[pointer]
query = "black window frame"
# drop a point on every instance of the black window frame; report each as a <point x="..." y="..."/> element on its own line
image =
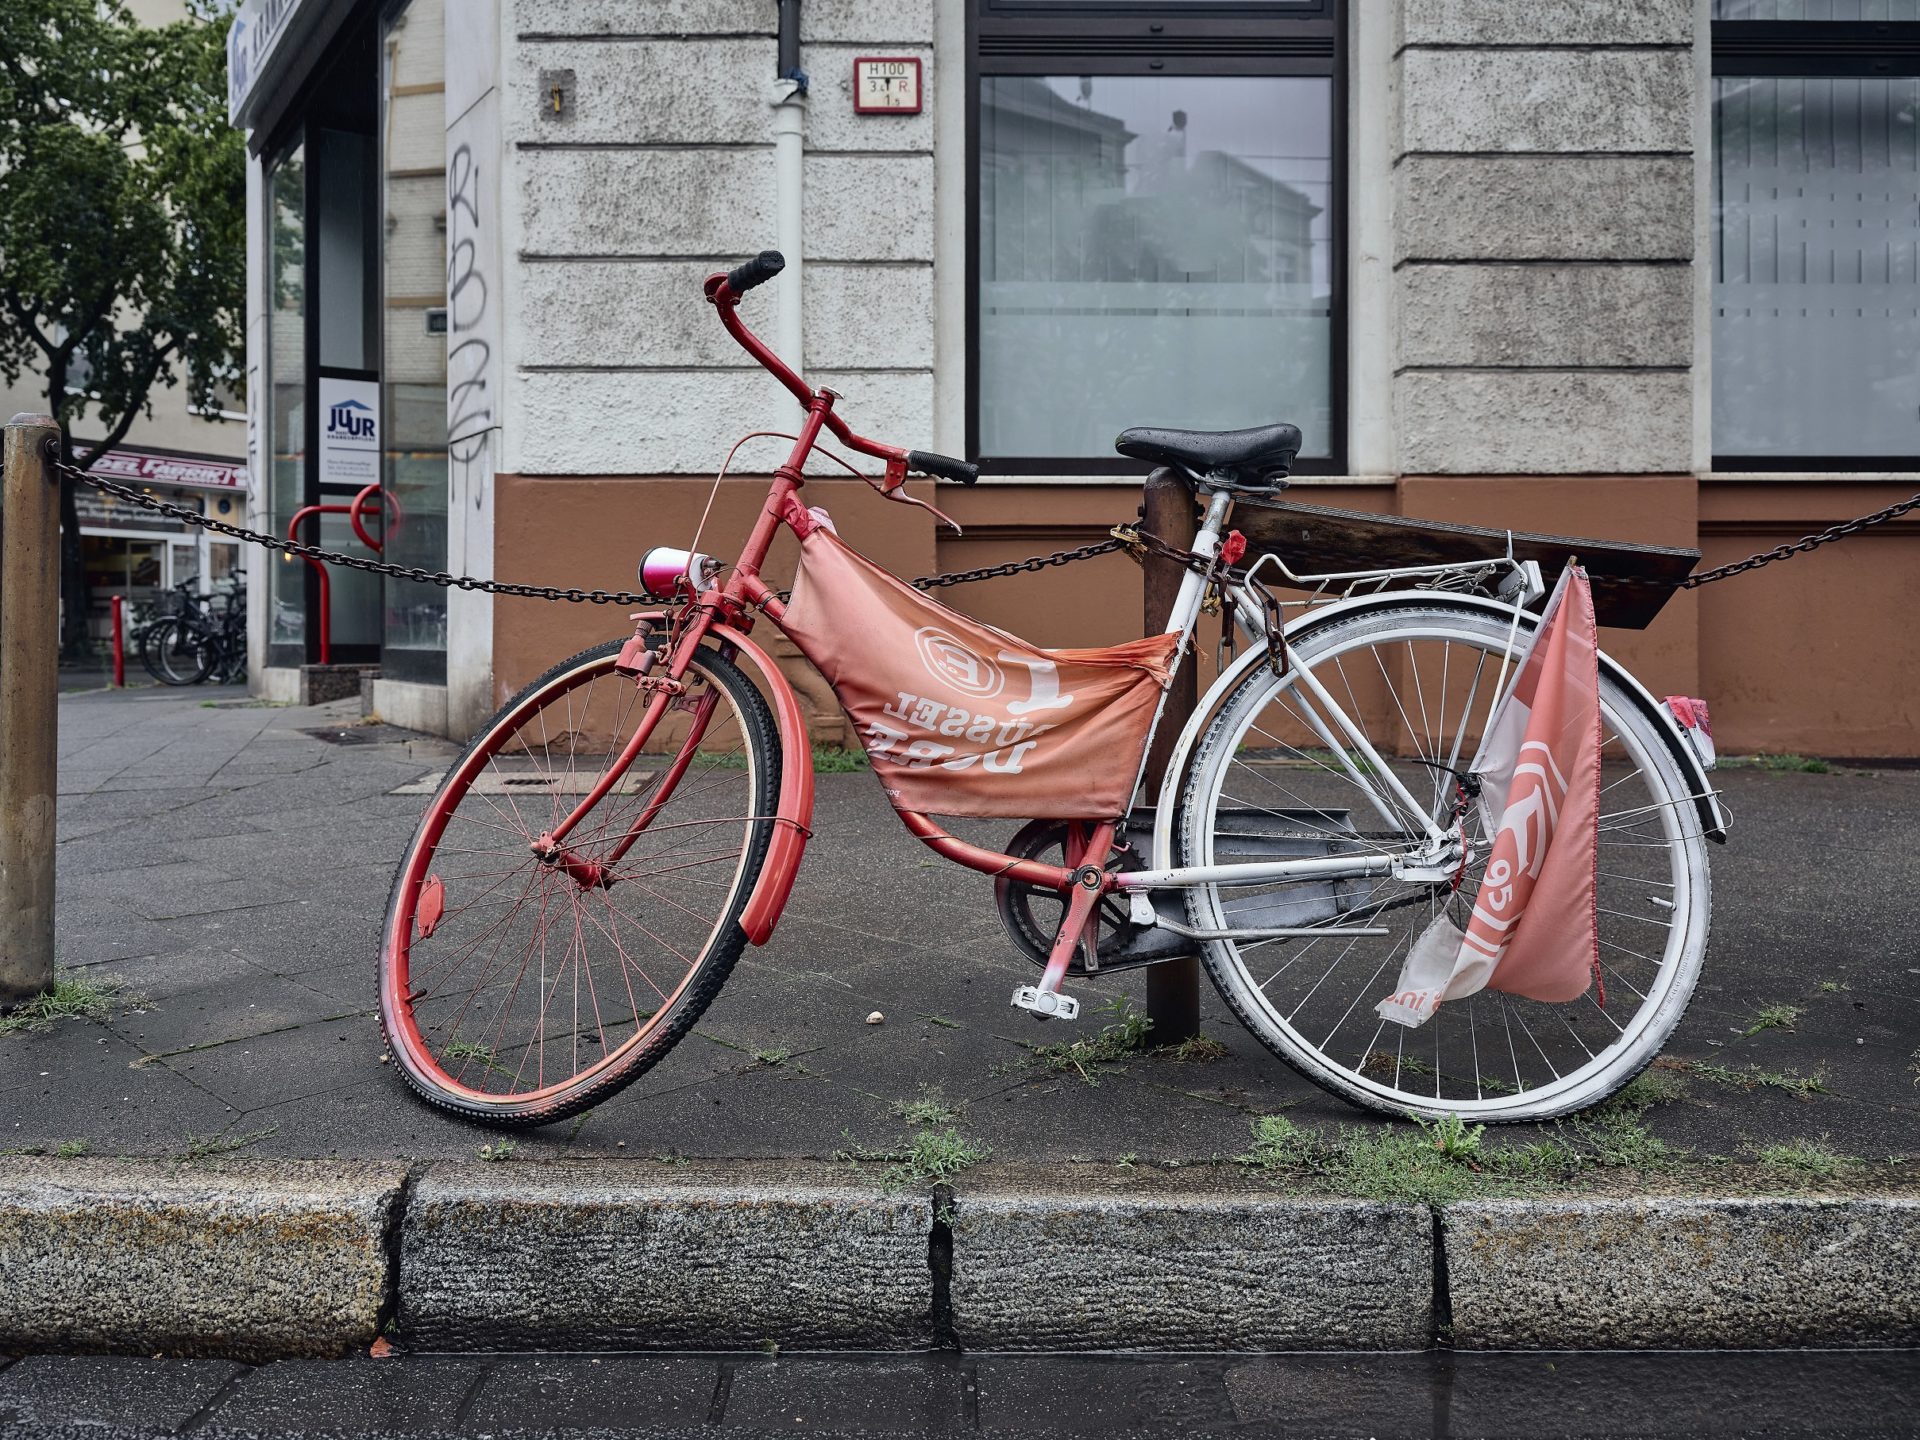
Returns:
<point x="1811" y="49"/>
<point x="1145" y="38"/>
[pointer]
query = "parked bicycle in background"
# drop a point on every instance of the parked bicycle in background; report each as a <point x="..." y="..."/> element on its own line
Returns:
<point x="197" y="637"/>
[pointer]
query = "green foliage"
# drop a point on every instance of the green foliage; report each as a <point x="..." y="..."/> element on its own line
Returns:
<point x="929" y="1108"/>
<point x="832" y="760"/>
<point x="71" y="1149"/>
<point x="1124" y="1035"/>
<point x="1279" y="1144"/>
<point x="200" y="1147"/>
<point x="1752" y="1077"/>
<point x="935" y="1155"/>
<point x="122" y="221"/>
<point x="75" y="996"/>
<point x="1802" y="764"/>
<point x="774" y="1055"/>
<point x="122" y="204"/>
<point x="1810" y="1157"/>
<point x="1773" y="1017"/>
<point x="499" y="1150"/>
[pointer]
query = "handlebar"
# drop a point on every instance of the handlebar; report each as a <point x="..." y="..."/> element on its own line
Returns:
<point x="943" y="466"/>
<point x="724" y="292"/>
<point x="757" y="271"/>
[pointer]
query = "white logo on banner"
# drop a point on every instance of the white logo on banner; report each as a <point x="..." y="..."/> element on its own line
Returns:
<point x="952" y="663"/>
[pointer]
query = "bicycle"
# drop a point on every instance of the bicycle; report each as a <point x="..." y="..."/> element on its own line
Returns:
<point x="195" y="642"/>
<point x="610" y="842"/>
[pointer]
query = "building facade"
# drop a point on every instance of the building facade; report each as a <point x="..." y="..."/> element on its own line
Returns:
<point x="1633" y="269"/>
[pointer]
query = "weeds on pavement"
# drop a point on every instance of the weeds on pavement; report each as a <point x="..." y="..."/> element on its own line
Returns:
<point x="75" y="996"/>
<point x="1810" y="1157"/>
<point x="1773" y="1017"/>
<point x="498" y="1150"/>
<point x="927" y="1109"/>
<point x="1803" y="764"/>
<point x="1436" y="1161"/>
<point x="201" y="1147"/>
<point x="935" y="1155"/>
<point x="1752" y="1077"/>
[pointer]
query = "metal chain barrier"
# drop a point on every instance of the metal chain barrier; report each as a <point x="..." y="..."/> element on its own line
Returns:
<point x="1124" y="537"/>
<point x="1800" y="546"/>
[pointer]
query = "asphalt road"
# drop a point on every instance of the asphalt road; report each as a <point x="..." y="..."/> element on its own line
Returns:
<point x="1439" y="1394"/>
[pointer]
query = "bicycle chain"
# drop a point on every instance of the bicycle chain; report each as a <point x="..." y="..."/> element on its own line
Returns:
<point x="1138" y="542"/>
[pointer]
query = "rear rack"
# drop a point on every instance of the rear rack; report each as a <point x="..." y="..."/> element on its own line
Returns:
<point x="1630" y="582"/>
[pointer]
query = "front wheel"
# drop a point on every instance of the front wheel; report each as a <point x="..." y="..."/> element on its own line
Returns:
<point x="176" y="652"/>
<point x="1419" y="678"/>
<point x="515" y="991"/>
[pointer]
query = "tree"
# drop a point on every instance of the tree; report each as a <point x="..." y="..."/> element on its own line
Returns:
<point x="122" y="224"/>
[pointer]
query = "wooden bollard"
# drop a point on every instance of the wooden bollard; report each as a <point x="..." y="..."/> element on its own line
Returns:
<point x="29" y="691"/>
<point x="1173" y="986"/>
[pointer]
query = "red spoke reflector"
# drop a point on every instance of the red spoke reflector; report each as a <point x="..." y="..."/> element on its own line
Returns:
<point x="433" y="904"/>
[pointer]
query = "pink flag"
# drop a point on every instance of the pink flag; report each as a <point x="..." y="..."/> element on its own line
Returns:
<point x="1534" y="930"/>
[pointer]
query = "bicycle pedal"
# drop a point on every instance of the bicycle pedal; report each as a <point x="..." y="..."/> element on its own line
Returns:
<point x="1047" y="1004"/>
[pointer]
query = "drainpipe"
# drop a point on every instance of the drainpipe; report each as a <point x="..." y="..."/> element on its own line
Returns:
<point x="789" y="99"/>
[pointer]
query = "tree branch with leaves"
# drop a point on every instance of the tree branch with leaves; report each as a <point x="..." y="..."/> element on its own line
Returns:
<point x="122" y="225"/>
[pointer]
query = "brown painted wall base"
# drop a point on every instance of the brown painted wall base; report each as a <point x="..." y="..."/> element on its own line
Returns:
<point x="1815" y="655"/>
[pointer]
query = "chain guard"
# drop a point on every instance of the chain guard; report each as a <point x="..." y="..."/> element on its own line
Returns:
<point x="1122" y="944"/>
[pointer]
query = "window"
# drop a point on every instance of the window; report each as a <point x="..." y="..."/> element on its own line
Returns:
<point x="1816" y="212"/>
<point x="1154" y="226"/>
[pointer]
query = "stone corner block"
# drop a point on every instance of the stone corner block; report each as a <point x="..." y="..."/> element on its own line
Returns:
<point x="1545" y="22"/>
<point x="1684" y="1273"/>
<point x="1199" y="1271"/>
<point x="1543" y="314"/>
<point x="1546" y="100"/>
<point x="247" y="1259"/>
<point x="616" y="1255"/>
<point x="1544" y="207"/>
<point x="1544" y="422"/>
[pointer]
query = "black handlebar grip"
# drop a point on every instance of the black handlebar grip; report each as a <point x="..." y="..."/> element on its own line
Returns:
<point x="757" y="271"/>
<point x="947" y="468"/>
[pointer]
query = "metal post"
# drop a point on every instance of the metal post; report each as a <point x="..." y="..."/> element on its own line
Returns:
<point x="119" y="603"/>
<point x="1173" y="986"/>
<point x="29" y="688"/>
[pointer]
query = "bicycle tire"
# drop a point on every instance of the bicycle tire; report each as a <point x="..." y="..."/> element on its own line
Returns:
<point x="1420" y="1085"/>
<point x="428" y="1073"/>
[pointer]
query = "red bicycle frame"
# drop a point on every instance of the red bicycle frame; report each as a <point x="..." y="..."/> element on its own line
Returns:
<point x="725" y="614"/>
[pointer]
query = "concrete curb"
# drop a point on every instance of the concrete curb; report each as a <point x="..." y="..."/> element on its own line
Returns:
<point x="585" y="1255"/>
<point x="1684" y="1273"/>
<point x="1190" y="1268"/>
<point x="250" y="1260"/>
<point x="264" y="1259"/>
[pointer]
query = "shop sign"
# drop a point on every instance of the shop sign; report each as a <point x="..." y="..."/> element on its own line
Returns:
<point x="257" y="29"/>
<point x="349" y="432"/>
<point x="136" y="467"/>
<point x="100" y="511"/>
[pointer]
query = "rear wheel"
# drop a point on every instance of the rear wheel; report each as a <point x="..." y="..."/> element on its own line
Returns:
<point x="177" y="652"/>
<point x="516" y="991"/>
<point x="1419" y="678"/>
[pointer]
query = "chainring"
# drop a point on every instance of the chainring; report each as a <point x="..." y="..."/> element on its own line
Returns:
<point x="1033" y="930"/>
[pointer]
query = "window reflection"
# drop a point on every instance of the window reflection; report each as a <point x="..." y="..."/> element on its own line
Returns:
<point x="1816" y="323"/>
<point x="1152" y="251"/>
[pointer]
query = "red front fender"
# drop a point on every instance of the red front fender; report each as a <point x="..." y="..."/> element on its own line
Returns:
<point x="795" y="806"/>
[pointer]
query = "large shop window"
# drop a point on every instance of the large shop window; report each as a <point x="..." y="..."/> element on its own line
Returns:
<point x="1816" y="212"/>
<point x="1154" y="226"/>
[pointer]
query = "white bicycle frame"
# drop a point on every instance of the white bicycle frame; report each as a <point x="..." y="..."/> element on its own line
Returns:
<point x="1431" y="851"/>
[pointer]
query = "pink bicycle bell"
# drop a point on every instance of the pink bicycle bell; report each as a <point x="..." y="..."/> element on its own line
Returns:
<point x="668" y="573"/>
